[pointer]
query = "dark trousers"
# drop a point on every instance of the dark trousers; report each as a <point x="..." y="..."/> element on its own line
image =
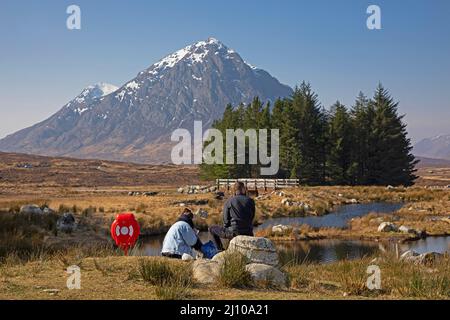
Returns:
<point x="219" y="232"/>
<point x="171" y="255"/>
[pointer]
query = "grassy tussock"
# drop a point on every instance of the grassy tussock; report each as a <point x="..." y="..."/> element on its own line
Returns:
<point x="398" y="279"/>
<point x="23" y="234"/>
<point x="171" y="281"/>
<point x="233" y="273"/>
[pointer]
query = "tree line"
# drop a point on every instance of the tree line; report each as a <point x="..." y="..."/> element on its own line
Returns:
<point x="365" y="144"/>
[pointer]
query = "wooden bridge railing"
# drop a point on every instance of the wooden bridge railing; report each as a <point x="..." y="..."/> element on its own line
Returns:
<point x="256" y="184"/>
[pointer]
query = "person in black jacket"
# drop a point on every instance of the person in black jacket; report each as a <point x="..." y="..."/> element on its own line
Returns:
<point x="238" y="215"/>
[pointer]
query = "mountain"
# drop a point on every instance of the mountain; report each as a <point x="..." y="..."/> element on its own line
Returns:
<point x="437" y="147"/>
<point x="134" y="122"/>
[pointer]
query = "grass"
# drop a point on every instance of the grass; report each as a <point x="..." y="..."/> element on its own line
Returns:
<point x="109" y="277"/>
<point x="157" y="213"/>
<point x="24" y="234"/>
<point x="233" y="273"/>
<point x="171" y="281"/>
<point x="399" y="280"/>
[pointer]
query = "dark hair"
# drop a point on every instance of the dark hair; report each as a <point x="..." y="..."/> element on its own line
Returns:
<point x="239" y="187"/>
<point x="187" y="216"/>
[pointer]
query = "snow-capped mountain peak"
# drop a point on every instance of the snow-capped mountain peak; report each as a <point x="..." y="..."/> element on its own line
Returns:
<point x="192" y="54"/>
<point x="134" y="122"/>
<point x="95" y="91"/>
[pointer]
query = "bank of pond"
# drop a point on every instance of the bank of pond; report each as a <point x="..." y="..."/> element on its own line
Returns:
<point x="328" y="250"/>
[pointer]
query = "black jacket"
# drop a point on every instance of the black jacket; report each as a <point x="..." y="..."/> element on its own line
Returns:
<point x="238" y="215"/>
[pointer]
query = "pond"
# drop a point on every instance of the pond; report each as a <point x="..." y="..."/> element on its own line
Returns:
<point x="327" y="250"/>
<point x="339" y="218"/>
<point x="331" y="250"/>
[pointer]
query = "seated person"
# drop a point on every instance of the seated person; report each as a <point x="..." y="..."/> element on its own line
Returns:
<point x="181" y="237"/>
<point x="238" y="215"/>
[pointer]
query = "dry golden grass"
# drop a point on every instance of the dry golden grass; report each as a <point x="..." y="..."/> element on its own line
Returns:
<point x="117" y="277"/>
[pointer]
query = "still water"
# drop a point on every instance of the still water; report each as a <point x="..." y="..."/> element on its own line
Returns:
<point x="328" y="250"/>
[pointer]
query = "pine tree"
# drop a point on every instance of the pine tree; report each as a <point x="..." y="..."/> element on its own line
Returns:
<point x="340" y="151"/>
<point x="285" y="119"/>
<point x="312" y="137"/>
<point x="362" y="120"/>
<point x="391" y="159"/>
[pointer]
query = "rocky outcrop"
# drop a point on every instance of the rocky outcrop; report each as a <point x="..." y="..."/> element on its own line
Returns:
<point x="256" y="249"/>
<point x="144" y="194"/>
<point x="31" y="209"/>
<point x="194" y="189"/>
<point x="291" y="203"/>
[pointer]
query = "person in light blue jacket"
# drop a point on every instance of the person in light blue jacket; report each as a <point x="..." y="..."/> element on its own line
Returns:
<point x="181" y="237"/>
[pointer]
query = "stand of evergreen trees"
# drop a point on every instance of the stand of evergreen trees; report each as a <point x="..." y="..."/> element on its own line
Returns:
<point x="364" y="145"/>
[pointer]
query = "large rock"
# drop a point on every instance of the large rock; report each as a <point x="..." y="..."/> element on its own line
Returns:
<point x="406" y="229"/>
<point x="266" y="275"/>
<point x="256" y="249"/>
<point x="31" y="209"/>
<point x="426" y="258"/>
<point x="281" y="229"/>
<point x="66" y="223"/>
<point x="220" y="257"/>
<point x="387" y="227"/>
<point x="205" y="271"/>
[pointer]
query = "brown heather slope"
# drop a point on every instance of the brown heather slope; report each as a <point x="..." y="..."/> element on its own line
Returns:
<point x="22" y="169"/>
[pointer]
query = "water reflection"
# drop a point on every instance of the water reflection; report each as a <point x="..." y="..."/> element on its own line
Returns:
<point x="337" y="219"/>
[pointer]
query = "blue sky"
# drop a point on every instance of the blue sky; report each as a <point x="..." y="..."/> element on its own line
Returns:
<point x="43" y="65"/>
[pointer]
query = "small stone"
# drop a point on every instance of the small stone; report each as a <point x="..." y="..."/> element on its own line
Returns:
<point x="51" y="291"/>
<point x="187" y="257"/>
<point x="387" y="227"/>
<point x="281" y="229"/>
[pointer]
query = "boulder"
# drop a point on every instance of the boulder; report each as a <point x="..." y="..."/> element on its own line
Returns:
<point x="66" y="223"/>
<point x="429" y="257"/>
<point x="205" y="271"/>
<point x="267" y="276"/>
<point x="406" y="229"/>
<point x="387" y="227"/>
<point x="281" y="229"/>
<point x="220" y="257"/>
<point x="426" y="258"/>
<point x="31" y="209"/>
<point x="406" y="256"/>
<point x="256" y="249"/>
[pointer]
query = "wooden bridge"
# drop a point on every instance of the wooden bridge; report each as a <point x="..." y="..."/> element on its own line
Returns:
<point x="255" y="184"/>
